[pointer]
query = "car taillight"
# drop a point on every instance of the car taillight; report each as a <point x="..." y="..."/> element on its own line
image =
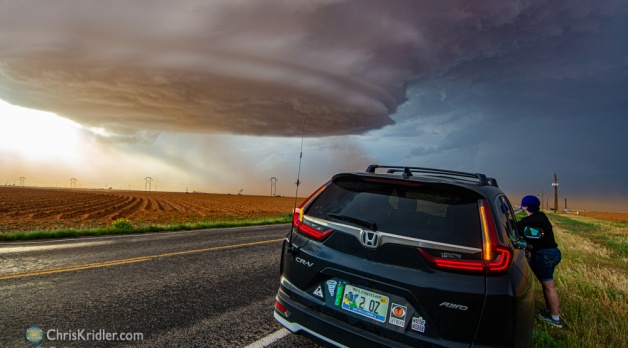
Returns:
<point x="496" y="257"/>
<point x="452" y="264"/>
<point x="309" y="228"/>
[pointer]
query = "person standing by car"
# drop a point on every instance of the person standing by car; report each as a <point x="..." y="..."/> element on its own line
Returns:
<point x="544" y="257"/>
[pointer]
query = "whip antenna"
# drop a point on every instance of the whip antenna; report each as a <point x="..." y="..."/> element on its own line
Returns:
<point x="296" y="194"/>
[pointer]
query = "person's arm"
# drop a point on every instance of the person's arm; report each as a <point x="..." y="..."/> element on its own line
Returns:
<point x="520" y="225"/>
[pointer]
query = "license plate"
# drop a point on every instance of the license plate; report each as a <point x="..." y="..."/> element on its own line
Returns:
<point x="364" y="302"/>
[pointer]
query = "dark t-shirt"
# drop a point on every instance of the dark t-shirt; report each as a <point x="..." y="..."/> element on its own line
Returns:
<point x="538" y="220"/>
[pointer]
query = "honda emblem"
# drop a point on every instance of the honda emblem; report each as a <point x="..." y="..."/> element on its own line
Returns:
<point x="369" y="239"/>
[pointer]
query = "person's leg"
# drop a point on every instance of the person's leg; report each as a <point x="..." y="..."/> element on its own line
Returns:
<point x="551" y="296"/>
<point x="543" y="266"/>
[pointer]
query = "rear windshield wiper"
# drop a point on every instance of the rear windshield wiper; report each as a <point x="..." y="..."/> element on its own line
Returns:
<point x="365" y="223"/>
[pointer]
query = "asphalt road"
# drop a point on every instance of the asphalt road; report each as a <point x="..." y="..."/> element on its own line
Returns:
<point x="183" y="289"/>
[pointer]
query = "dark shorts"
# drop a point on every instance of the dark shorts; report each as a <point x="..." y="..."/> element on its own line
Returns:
<point x="543" y="262"/>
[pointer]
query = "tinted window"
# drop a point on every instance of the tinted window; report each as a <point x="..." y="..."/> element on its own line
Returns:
<point x="436" y="212"/>
<point x="506" y="217"/>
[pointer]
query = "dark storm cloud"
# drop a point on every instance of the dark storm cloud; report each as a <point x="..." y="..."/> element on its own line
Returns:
<point x="260" y="67"/>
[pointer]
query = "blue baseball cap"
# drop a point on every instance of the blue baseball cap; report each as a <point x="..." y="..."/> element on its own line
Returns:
<point x="529" y="201"/>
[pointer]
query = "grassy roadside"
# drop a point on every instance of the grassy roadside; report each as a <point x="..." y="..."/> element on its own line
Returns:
<point x="592" y="283"/>
<point x="124" y="226"/>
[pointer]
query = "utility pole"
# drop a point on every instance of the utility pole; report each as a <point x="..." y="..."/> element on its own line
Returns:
<point x="555" y="184"/>
<point x="73" y="183"/>
<point x="147" y="182"/>
<point x="22" y="180"/>
<point x="565" y="205"/>
<point x="273" y="186"/>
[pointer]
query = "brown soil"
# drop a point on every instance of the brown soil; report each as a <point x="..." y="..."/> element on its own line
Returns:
<point x="618" y="217"/>
<point x="27" y="208"/>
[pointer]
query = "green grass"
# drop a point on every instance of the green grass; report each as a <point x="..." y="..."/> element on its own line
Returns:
<point x="124" y="226"/>
<point x="592" y="284"/>
<point x="609" y="234"/>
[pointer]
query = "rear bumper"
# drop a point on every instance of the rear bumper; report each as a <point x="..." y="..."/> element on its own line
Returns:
<point x="298" y="329"/>
<point x="302" y="320"/>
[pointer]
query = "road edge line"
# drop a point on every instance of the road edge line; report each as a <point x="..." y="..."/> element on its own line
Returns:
<point x="270" y="339"/>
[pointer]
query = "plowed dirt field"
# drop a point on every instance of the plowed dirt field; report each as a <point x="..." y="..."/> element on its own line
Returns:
<point x="27" y="208"/>
<point x="617" y="217"/>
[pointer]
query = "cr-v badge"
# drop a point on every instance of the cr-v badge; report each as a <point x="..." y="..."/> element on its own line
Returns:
<point x="304" y="262"/>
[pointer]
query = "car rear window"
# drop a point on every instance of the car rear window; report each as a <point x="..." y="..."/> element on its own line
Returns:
<point x="430" y="211"/>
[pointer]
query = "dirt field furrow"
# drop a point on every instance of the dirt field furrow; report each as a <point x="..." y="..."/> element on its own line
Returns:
<point x="127" y="211"/>
<point x="109" y="209"/>
<point x="160" y="205"/>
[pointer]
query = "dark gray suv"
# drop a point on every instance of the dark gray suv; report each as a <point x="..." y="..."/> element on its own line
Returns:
<point x="406" y="256"/>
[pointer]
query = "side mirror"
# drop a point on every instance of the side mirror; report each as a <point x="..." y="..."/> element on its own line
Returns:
<point x="533" y="232"/>
<point x="520" y="243"/>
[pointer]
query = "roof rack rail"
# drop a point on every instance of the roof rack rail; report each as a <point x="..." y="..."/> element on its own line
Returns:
<point x="407" y="172"/>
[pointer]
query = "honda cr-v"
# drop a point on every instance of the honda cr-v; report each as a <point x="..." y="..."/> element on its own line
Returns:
<point x="406" y="256"/>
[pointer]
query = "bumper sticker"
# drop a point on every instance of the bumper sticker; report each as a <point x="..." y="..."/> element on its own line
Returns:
<point x="418" y="324"/>
<point x="339" y="291"/>
<point x="331" y="286"/>
<point x="398" y="315"/>
<point x="319" y="292"/>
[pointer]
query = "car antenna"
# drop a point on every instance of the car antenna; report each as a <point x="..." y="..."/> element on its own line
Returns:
<point x="296" y="194"/>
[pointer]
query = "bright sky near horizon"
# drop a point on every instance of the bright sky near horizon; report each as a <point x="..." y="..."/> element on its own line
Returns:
<point x="211" y="95"/>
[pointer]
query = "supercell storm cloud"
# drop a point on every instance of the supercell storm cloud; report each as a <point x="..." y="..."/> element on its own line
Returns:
<point x="260" y="67"/>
